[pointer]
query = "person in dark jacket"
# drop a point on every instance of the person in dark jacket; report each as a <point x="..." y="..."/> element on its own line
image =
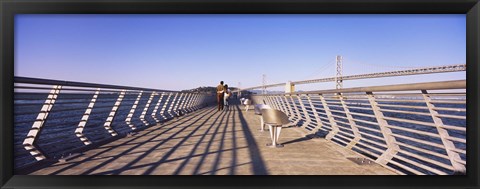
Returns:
<point x="220" y="91"/>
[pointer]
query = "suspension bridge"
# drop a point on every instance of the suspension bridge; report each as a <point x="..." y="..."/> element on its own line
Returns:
<point x="78" y="128"/>
<point x="406" y="72"/>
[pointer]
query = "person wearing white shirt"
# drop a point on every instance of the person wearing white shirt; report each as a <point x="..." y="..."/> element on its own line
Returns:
<point x="227" y="95"/>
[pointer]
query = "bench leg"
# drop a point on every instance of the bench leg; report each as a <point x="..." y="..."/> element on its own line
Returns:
<point x="278" y="130"/>
<point x="274" y="134"/>
<point x="261" y="124"/>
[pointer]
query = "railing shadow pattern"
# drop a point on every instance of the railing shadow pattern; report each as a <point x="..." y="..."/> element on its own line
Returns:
<point x="209" y="142"/>
<point x="54" y="119"/>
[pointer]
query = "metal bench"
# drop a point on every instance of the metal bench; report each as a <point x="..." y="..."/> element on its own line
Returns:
<point x="258" y="111"/>
<point x="275" y="119"/>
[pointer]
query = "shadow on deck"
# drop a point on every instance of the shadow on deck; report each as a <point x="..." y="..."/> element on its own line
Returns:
<point x="209" y="142"/>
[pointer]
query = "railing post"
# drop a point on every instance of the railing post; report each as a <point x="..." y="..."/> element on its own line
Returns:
<point x="297" y="115"/>
<point x="180" y="100"/>
<point x="443" y="133"/>
<point x="132" y="111"/>
<point x="83" y="122"/>
<point x="154" y="113"/>
<point x="165" y="104"/>
<point x="185" y="102"/>
<point x="195" y="103"/>
<point x="108" y="122"/>
<point x="172" y="104"/>
<point x="29" y="142"/>
<point x="392" y="147"/>
<point x="290" y="112"/>
<point x="270" y="102"/>
<point x="186" y="106"/>
<point x="278" y="99"/>
<point x="334" y="125"/>
<point x="352" y="124"/>
<point x="305" y="113"/>
<point x="180" y="103"/>
<point x="192" y="102"/>
<point x="315" y="114"/>
<point x="273" y="99"/>
<point x="144" y="112"/>
<point x="279" y="103"/>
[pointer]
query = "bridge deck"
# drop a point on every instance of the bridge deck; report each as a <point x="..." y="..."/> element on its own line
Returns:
<point x="208" y="142"/>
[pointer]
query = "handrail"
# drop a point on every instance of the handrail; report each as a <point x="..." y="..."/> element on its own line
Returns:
<point x="409" y="136"/>
<point x="457" y="84"/>
<point x="75" y="115"/>
<point x="29" y="80"/>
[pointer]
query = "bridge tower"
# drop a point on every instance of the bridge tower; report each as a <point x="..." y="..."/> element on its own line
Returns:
<point x="264" y="88"/>
<point x="239" y="94"/>
<point x="338" y="76"/>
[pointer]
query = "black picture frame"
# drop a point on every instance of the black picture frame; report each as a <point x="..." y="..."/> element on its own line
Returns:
<point x="10" y="7"/>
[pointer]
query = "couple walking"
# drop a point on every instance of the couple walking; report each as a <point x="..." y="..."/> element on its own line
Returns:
<point x="223" y="93"/>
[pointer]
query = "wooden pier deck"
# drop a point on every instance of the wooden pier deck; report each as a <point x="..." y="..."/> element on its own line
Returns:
<point x="208" y="142"/>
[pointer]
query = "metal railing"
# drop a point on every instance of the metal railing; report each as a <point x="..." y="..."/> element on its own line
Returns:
<point x="410" y="128"/>
<point x="53" y="118"/>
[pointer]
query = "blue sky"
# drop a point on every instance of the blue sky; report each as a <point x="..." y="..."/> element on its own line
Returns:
<point x="186" y="51"/>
